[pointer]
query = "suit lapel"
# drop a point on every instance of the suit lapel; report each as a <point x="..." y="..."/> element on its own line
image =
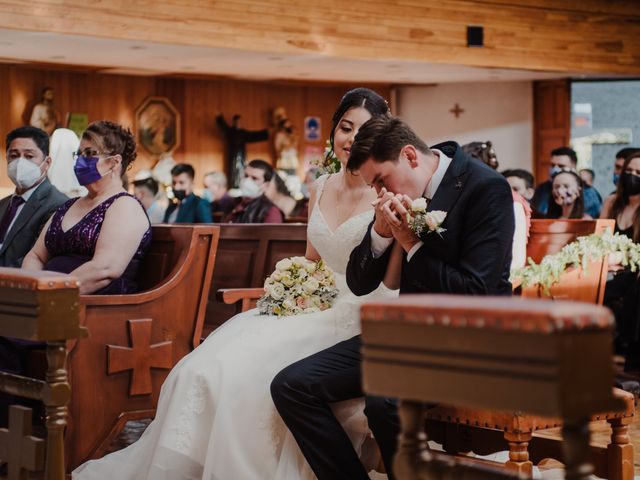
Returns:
<point x="453" y="181"/>
<point x="32" y="206"/>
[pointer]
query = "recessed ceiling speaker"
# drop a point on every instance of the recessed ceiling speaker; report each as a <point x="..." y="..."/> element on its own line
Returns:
<point x="475" y="36"/>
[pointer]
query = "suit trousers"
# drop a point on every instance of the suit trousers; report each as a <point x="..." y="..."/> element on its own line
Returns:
<point x="302" y="393"/>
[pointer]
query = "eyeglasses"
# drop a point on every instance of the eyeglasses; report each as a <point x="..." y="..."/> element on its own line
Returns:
<point x="89" y="152"/>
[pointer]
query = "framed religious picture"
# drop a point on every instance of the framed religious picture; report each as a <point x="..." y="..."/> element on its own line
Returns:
<point x="158" y="126"/>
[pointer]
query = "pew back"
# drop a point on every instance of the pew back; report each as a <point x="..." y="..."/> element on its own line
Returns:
<point x="548" y="236"/>
<point x="247" y="254"/>
<point x="134" y="340"/>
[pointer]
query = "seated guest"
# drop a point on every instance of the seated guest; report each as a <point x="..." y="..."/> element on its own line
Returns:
<point x="622" y="293"/>
<point x="146" y="191"/>
<point x="564" y="157"/>
<point x="521" y="182"/>
<point x="24" y="213"/>
<point x="621" y="156"/>
<point x="255" y="207"/>
<point x="216" y="189"/>
<point x="100" y="238"/>
<point x="188" y="207"/>
<point x="280" y="195"/>
<point x="566" y="199"/>
<point x="64" y="144"/>
<point x="483" y="151"/>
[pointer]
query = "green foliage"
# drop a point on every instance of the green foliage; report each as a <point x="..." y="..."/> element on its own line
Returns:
<point x="580" y="253"/>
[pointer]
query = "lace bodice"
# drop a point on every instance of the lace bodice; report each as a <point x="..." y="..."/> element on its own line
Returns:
<point x="335" y="247"/>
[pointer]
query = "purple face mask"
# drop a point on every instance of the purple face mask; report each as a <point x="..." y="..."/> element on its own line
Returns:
<point x="86" y="170"/>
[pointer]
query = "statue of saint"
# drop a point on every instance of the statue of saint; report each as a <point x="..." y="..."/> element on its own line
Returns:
<point x="237" y="138"/>
<point x="44" y="115"/>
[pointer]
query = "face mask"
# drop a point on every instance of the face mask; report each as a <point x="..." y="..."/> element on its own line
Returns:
<point x="565" y="196"/>
<point x="23" y="173"/>
<point x="179" y="194"/>
<point x="250" y="188"/>
<point x="553" y="171"/>
<point x="631" y="183"/>
<point x="86" y="170"/>
<point x="206" y="194"/>
<point x="616" y="178"/>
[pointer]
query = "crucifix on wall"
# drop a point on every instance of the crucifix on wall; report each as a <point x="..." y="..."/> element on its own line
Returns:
<point x="456" y="110"/>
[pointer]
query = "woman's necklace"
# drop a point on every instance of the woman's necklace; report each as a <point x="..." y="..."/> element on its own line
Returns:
<point x="353" y="207"/>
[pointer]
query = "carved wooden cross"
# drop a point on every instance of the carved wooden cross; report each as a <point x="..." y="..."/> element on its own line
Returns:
<point x="141" y="357"/>
<point x="18" y="448"/>
<point x="456" y="110"/>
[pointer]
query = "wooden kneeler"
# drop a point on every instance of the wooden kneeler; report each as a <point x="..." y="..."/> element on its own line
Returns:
<point x="549" y="359"/>
<point x="38" y="306"/>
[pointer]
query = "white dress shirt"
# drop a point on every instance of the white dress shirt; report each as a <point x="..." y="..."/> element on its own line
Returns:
<point x="379" y="244"/>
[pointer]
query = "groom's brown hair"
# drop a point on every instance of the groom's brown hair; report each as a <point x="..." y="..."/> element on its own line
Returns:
<point x="381" y="139"/>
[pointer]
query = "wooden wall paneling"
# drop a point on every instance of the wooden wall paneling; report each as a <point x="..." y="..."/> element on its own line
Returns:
<point x="569" y="36"/>
<point x="551" y="122"/>
<point x="116" y="97"/>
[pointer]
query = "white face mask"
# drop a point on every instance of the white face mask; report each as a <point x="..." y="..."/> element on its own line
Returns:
<point x="250" y="188"/>
<point x="23" y="173"/>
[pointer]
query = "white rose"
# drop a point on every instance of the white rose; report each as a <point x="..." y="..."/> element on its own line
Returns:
<point x="419" y="204"/>
<point x="310" y="267"/>
<point x="311" y="285"/>
<point x="435" y="218"/>
<point x="289" y="304"/>
<point x="276" y="291"/>
<point x="286" y="280"/>
<point x="284" y="264"/>
<point x="302" y="273"/>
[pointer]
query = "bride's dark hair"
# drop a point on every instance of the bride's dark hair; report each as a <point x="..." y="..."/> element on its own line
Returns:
<point x="358" y="97"/>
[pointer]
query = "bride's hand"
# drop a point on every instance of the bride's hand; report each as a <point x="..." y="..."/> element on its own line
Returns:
<point x="381" y="225"/>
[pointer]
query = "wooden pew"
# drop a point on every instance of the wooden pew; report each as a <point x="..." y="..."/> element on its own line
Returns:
<point x="247" y="254"/>
<point x="39" y="306"/>
<point x="551" y="359"/>
<point x="134" y="340"/>
<point x="486" y="431"/>
<point x="547" y="237"/>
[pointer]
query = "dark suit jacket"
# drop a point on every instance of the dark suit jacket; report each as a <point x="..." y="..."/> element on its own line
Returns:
<point x="473" y="255"/>
<point x="193" y="209"/>
<point x="33" y="216"/>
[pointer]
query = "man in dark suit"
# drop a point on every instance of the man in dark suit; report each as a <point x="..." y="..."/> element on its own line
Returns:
<point x="471" y="256"/>
<point x="188" y="208"/>
<point x="25" y="212"/>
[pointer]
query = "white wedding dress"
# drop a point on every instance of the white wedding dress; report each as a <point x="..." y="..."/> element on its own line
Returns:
<point x="215" y="418"/>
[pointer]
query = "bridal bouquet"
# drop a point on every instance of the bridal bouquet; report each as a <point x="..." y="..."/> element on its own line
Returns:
<point x="298" y="286"/>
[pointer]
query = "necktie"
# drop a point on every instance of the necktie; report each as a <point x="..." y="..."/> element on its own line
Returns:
<point x="10" y="214"/>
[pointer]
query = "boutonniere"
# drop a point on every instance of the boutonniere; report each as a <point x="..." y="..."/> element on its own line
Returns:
<point x="421" y="221"/>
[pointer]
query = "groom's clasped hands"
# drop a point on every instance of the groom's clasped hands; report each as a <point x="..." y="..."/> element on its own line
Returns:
<point x="392" y="219"/>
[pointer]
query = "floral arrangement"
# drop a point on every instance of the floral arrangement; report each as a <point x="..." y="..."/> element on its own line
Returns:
<point x="298" y="286"/>
<point x="329" y="163"/>
<point x="421" y="221"/>
<point x="580" y="253"/>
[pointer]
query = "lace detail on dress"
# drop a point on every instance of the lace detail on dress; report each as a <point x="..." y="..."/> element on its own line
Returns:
<point x="335" y="247"/>
<point x="272" y="423"/>
<point x="194" y="406"/>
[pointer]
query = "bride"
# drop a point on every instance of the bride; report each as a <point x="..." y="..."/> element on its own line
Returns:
<point x="215" y="418"/>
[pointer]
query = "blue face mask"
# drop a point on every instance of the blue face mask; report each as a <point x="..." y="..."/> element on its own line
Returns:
<point x="86" y="170"/>
<point x="616" y="178"/>
<point x="553" y="171"/>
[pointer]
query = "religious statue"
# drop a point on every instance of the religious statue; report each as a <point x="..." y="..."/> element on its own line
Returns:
<point x="237" y="138"/>
<point x="285" y="142"/>
<point x="44" y="115"/>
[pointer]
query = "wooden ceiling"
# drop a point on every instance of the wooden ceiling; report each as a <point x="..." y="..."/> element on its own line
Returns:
<point x="579" y="36"/>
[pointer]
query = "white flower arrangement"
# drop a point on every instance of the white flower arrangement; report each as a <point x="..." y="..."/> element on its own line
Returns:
<point x="580" y="253"/>
<point x="298" y="286"/>
<point x="421" y="221"/>
<point x="329" y="163"/>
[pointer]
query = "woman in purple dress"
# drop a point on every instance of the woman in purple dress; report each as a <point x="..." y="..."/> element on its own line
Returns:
<point x="101" y="238"/>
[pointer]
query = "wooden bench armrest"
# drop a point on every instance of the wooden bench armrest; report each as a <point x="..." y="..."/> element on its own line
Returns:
<point x="234" y="295"/>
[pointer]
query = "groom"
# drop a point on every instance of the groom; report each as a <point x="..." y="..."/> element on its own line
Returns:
<point x="472" y="256"/>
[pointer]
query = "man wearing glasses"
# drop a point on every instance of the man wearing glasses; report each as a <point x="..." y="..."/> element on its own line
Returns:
<point x="25" y="212"/>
